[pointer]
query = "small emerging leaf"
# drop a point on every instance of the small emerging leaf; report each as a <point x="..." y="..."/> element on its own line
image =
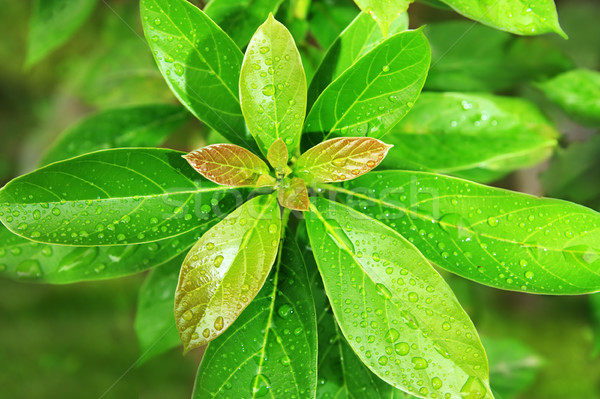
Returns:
<point x="341" y="159"/>
<point x="225" y="270"/>
<point x="384" y="12"/>
<point x="278" y="154"/>
<point x="228" y="164"/>
<point x="293" y="194"/>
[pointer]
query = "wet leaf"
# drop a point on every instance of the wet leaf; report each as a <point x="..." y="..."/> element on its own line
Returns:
<point x="340" y="159"/>
<point x="293" y="194"/>
<point x="224" y="271"/>
<point x="228" y="164"/>
<point x="397" y="313"/>
<point x="273" y="87"/>
<point x="384" y="12"/>
<point x="278" y="155"/>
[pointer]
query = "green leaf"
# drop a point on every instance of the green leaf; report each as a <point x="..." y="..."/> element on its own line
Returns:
<point x="384" y="12"/>
<point x="224" y="271"/>
<point x="369" y="98"/>
<point x="278" y="155"/>
<point x="240" y="18"/>
<point x="154" y="321"/>
<point x="578" y="93"/>
<point x="273" y="87"/>
<point x="340" y="159"/>
<point x="228" y="164"/>
<point x="139" y="126"/>
<point x="360" y="37"/>
<point x="271" y="349"/>
<point x="397" y="313"/>
<point x="485" y="59"/>
<point x="496" y="237"/>
<point x="122" y="196"/>
<point x="328" y="20"/>
<point x="292" y="194"/>
<point x="482" y="136"/>
<point x="514" y="16"/>
<point x="200" y="63"/>
<point x="53" y="22"/>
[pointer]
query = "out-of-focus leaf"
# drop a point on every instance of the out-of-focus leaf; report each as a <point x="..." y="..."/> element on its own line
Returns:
<point x="468" y="134"/>
<point x="327" y="20"/>
<point x="224" y="271"/>
<point x="53" y="22"/>
<point x="384" y="12"/>
<point x="293" y="194"/>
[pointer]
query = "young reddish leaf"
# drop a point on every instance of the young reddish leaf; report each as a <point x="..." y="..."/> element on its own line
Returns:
<point x="278" y="154"/>
<point x="228" y="164"/>
<point x="340" y="159"/>
<point x="265" y="181"/>
<point x="293" y="194"/>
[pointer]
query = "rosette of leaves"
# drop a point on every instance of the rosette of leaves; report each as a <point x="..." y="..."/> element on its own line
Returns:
<point x="308" y="274"/>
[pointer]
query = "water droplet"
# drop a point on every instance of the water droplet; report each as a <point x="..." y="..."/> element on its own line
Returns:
<point x="157" y="21"/>
<point x="29" y="269"/>
<point x="339" y="162"/>
<point x="383" y="360"/>
<point x="268" y="90"/>
<point x="473" y="389"/>
<point x="413" y="297"/>
<point x="56" y="211"/>
<point x="178" y="68"/>
<point x="273" y="228"/>
<point x="492" y="221"/>
<point x="436" y="383"/>
<point x="264" y="50"/>
<point x="210" y="245"/>
<point x="385" y="68"/>
<point x="402" y="348"/>
<point x="260" y="385"/>
<point x="393" y="98"/>
<point x="446" y="326"/>
<point x="285" y="310"/>
<point x="218" y="260"/>
<point x="392" y="335"/>
<point x="419" y="363"/>
<point x="219" y="323"/>
<point x="529" y="275"/>
<point x="206" y="333"/>
<point x="187" y="315"/>
<point x="383" y="290"/>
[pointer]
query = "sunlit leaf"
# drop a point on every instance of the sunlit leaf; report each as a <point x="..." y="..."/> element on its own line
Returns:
<point x="340" y="159"/>
<point x="293" y="194"/>
<point x="384" y="12"/>
<point x="278" y="154"/>
<point x="397" y="313"/>
<point x="224" y="271"/>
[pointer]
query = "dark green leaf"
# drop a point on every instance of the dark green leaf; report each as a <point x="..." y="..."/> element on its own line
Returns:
<point x="271" y="349"/>
<point x="496" y="237"/>
<point x="468" y="135"/>
<point x="384" y="12"/>
<point x="396" y="312"/>
<point x="328" y="20"/>
<point x="225" y="270"/>
<point x="122" y="196"/>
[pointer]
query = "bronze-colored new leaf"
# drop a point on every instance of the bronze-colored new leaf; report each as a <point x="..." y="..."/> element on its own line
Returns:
<point x="228" y="164"/>
<point x="292" y="194"/>
<point x="278" y="154"/>
<point x="341" y="159"/>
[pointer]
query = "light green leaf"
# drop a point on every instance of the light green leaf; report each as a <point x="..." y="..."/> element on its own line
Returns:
<point x="271" y="349"/>
<point x="478" y="133"/>
<point x="122" y="196"/>
<point x="154" y="321"/>
<point x="278" y="156"/>
<point x="496" y="237"/>
<point x="514" y="16"/>
<point x="140" y="126"/>
<point x="273" y="87"/>
<point x="578" y="93"/>
<point x="224" y="271"/>
<point x="292" y="194"/>
<point x="384" y="12"/>
<point x="53" y="22"/>
<point x="360" y="37"/>
<point x="200" y="63"/>
<point x="369" y="98"/>
<point x="240" y="18"/>
<point x="396" y="312"/>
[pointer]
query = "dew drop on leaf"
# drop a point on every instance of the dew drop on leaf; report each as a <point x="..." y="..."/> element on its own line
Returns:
<point x="402" y="348"/>
<point x="392" y="335"/>
<point x="29" y="269"/>
<point x="383" y="290"/>
<point x="268" y="90"/>
<point x="260" y="385"/>
<point x="436" y="383"/>
<point x="218" y="260"/>
<point x="285" y="310"/>
<point x="219" y="323"/>
<point x="419" y="363"/>
<point x="187" y="315"/>
<point x="473" y="389"/>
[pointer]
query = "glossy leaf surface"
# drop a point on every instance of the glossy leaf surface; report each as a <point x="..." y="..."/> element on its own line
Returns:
<point x="340" y="159"/>
<point x="228" y="164"/>
<point x="113" y="197"/>
<point x="293" y="194"/>
<point x="200" y="63"/>
<point x="384" y="12"/>
<point x="273" y="87"/>
<point x="482" y="136"/>
<point x="271" y="349"/>
<point x="578" y="93"/>
<point x="514" y="16"/>
<point x="496" y="237"/>
<point x="140" y="126"/>
<point x="369" y="98"/>
<point x="224" y="271"/>
<point x="53" y="22"/>
<point x="395" y="310"/>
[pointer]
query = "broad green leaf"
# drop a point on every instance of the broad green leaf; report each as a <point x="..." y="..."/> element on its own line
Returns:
<point x="154" y="321"/>
<point x="140" y="126"/>
<point x="271" y="349"/>
<point x="396" y="312"/>
<point x="273" y="87"/>
<point x="360" y="37"/>
<point x="200" y="63"/>
<point x="496" y="237"/>
<point x="369" y="98"/>
<point x="292" y="194"/>
<point x="224" y="271"/>
<point x="228" y="164"/>
<point x="514" y="16"/>
<point x="328" y="20"/>
<point x="578" y="93"/>
<point x="240" y="18"/>
<point x="30" y="261"/>
<point x="384" y="12"/>
<point x="477" y="132"/>
<point x="485" y="59"/>
<point x="340" y="159"/>
<point x="53" y="22"/>
<point x="122" y="196"/>
<point x="278" y="155"/>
